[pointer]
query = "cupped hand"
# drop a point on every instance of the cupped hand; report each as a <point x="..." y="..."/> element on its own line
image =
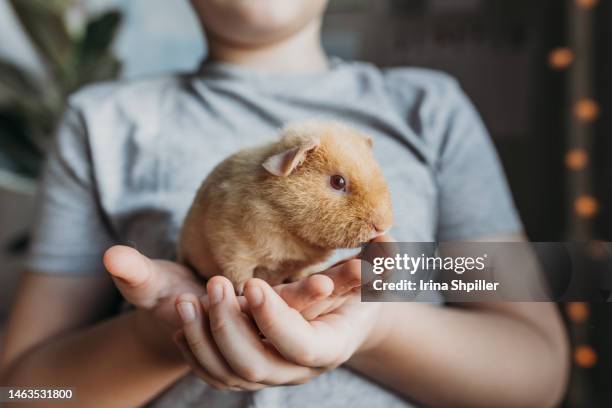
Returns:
<point x="155" y="285"/>
<point x="274" y="341"/>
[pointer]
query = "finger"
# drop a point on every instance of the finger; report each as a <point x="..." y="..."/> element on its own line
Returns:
<point x="242" y="302"/>
<point x="319" y="293"/>
<point x="239" y="342"/>
<point x="322" y="307"/>
<point x="202" y="348"/>
<point x="244" y="305"/>
<point x="128" y="265"/>
<point x="134" y="274"/>
<point x="286" y="329"/>
<point x="183" y="346"/>
<point x="304" y="293"/>
<point x="346" y="276"/>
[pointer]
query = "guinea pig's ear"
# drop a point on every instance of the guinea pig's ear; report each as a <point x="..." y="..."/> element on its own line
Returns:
<point x="283" y="163"/>
<point x="369" y="141"/>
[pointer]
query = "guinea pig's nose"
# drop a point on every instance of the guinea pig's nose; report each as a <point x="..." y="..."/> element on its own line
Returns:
<point x="381" y="220"/>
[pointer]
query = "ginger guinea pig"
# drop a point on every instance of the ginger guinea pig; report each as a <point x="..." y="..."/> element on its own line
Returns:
<point x="278" y="210"/>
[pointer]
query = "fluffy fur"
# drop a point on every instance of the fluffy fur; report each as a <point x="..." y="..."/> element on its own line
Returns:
<point x="271" y="212"/>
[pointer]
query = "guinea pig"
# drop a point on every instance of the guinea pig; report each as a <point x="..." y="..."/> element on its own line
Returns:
<point x="278" y="211"/>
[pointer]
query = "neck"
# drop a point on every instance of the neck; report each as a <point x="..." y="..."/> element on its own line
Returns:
<point x="300" y="53"/>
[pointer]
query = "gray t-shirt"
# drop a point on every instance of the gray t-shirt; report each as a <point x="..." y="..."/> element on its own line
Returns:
<point x="129" y="156"/>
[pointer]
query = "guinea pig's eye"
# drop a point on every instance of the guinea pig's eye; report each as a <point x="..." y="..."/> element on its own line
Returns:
<point x="337" y="182"/>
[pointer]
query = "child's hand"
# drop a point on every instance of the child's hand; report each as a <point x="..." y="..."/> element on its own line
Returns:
<point x="222" y="341"/>
<point x="152" y="285"/>
<point x="155" y="285"/>
<point x="314" y="295"/>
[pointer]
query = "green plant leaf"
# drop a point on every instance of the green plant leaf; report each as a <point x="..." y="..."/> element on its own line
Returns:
<point x="22" y="96"/>
<point x="29" y="110"/>
<point x="57" y="6"/>
<point x="96" y="61"/>
<point x="17" y="152"/>
<point x="16" y="83"/>
<point x="44" y="24"/>
<point x="102" y="69"/>
<point x="99" y="35"/>
<point x="18" y="77"/>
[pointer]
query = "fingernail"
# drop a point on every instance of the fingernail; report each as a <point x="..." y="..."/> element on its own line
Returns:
<point x="255" y="296"/>
<point x="187" y="312"/>
<point x="215" y="294"/>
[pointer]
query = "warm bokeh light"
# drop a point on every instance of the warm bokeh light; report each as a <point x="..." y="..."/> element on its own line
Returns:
<point x="587" y="3"/>
<point x="586" y="110"/>
<point x="585" y="356"/>
<point x="578" y="312"/>
<point x="560" y="58"/>
<point x="586" y="206"/>
<point x="576" y="159"/>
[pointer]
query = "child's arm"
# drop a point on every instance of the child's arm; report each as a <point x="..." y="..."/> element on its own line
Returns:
<point x="53" y="339"/>
<point x="494" y="354"/>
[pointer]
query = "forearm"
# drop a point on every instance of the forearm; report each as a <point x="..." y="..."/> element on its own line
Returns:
<point x="444" y="356"/>
<point x="121" y="361"/>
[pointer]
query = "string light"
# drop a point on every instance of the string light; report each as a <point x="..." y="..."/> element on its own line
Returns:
<point x="576" y="159"/>
<point x="585" y="356"/>
<point x="586" y="206"/>
<point x="560" y="58"/>
<point x="587" y="4"/>
<point x="586" y="110"/>
<point x="578" y="312"/>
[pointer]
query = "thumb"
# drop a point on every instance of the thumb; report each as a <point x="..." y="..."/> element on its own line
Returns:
<point x="134" y="274"/>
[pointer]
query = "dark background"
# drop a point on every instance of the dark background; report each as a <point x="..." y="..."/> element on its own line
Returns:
<point x="499" y="51"/>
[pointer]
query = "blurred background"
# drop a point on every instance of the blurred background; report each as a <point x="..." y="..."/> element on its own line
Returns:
<point x="537" y="70"/>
